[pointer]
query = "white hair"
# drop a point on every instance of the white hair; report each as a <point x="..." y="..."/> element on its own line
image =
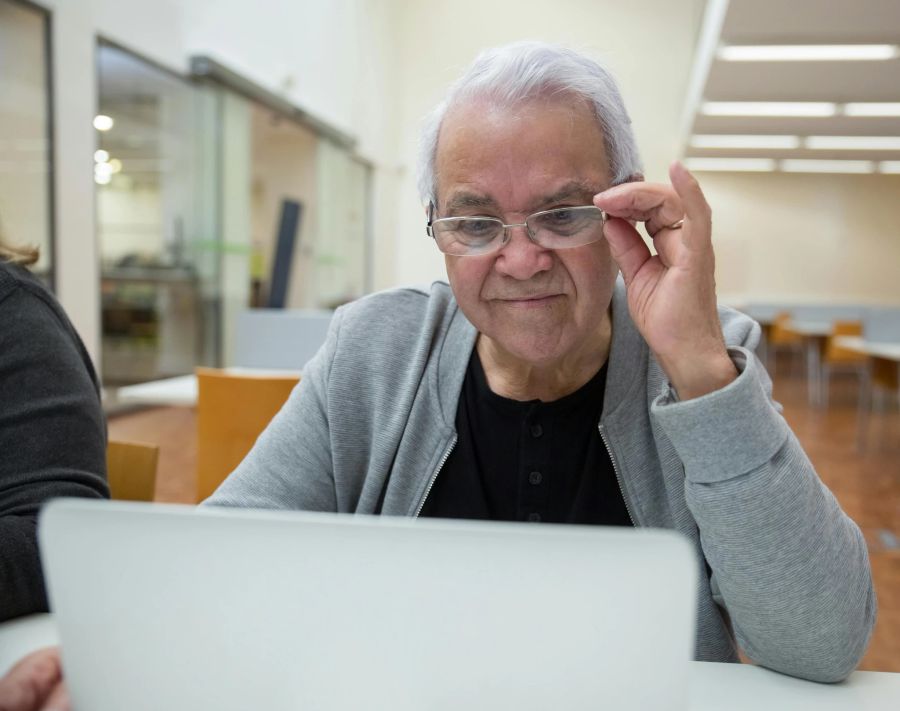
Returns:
<point x="521" y="71"/>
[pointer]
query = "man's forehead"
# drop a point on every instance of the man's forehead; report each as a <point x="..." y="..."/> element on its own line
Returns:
<point x="519" y="157"/>
<point x="471" y="197"/>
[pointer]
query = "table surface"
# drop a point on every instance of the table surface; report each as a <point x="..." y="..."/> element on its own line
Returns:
<point x="891" y="351"/>
<point x="713" y="687"/>
<point x="811" y="328"/>
<point x="182" y="389"/>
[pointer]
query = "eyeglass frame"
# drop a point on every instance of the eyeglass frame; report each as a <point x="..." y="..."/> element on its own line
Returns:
<point x="429" y="225"/>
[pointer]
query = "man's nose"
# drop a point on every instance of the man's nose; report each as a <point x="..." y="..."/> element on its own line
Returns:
<point x="521" y="258"/>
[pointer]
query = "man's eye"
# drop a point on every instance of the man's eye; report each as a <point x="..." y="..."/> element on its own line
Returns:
<point x="476" y="228"/>
<point x="560" y="217"/>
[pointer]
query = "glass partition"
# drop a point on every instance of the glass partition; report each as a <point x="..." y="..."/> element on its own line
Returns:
<point x="209" y="203"/>
<point x="293" y="165"/>
<point x="155" y="171"/>
<point x="26" y="216"/>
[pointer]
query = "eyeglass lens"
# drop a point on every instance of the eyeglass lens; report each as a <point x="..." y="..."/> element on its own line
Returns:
<point x="553" y="229"/>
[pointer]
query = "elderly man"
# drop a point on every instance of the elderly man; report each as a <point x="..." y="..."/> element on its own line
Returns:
<point x="538" y="387"/>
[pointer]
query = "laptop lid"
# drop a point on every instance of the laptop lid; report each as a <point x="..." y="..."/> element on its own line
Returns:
<point x="168" y="607"/>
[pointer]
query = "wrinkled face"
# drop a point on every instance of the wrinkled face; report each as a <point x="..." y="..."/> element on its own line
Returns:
<point x="538" y="305"/>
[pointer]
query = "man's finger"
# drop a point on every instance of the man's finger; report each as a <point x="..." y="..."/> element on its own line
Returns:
<point x="626" y="247"/>
<point x="655" y="204"/>
<point x="696" y="210"/>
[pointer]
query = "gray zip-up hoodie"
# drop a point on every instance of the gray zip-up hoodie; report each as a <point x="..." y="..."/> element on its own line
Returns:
<point x="372" y="422"/>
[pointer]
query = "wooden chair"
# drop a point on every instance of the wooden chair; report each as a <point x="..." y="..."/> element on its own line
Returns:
<point x="783" y="338"/>
<point x="834" y="357"/>
<point x="882" y="380"/>
<point x="131" y="470"/>
<point x="232" y="411"/>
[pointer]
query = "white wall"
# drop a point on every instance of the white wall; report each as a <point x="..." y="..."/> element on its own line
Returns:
<point x="806" y="237"/>
<point x="647" y="44"/>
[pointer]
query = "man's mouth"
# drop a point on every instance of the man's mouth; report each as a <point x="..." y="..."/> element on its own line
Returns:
<point x="530" y="299"/>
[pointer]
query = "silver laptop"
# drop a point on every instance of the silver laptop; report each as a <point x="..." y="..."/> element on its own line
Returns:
<point x="168" y="607"/>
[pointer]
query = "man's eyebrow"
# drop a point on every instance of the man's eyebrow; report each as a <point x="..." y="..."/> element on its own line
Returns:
<point x="580" y="189"/>
<point x="461" y="200"/>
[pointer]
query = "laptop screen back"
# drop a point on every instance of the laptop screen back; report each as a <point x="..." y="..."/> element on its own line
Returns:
<point x="165" y="607"/>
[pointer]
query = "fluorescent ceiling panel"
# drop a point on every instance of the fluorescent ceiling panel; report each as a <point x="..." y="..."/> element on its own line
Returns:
<point x="807" y="52"/>
<point x="744" y="141"/>
<point x="827" y="166"/>
<point x="855" y="143"/>
<point x="757" y="165"/>
<point x="768" y="108"/>
<point x="889" y="166"/>
<point x="872" y="109"/>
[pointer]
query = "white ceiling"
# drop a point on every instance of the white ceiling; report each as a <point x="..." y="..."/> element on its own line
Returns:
<point x="772" y="22"/>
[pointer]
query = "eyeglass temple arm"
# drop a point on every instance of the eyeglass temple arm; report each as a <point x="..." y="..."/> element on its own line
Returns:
<point x="428" y="230"/>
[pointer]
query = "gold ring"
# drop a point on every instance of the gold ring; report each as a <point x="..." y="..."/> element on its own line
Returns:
<point x="676" y="225"/>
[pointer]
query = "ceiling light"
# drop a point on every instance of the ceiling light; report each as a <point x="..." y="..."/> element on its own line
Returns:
<point x="115" y="165"/>
<point x="827" y="166"/>
<point x="768" y="108"/>
<point x="873" y="108"/>
<point x="101" y="156"/>
<point x="102" y="179"/>
<point x="750" y="141"/>
<point x="859" y="143"/>
<point x="889" y="166"/>
<point x="103" y="122"/>
<point x="807" y="52"/>
<point x="760" y="165"/>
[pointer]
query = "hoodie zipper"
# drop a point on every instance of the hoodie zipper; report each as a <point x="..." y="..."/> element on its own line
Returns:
<point x="435" y="476"/>
<point x="616" y="471"/>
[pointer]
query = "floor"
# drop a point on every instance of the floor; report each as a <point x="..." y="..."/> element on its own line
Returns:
<point x="867" y="485"/>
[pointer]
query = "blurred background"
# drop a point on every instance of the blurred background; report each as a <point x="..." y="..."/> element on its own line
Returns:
<point x="151" y="150"/>
<point x="183" y="163"/>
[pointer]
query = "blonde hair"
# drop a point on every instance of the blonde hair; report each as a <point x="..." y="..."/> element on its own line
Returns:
<point x="26" y="256"/>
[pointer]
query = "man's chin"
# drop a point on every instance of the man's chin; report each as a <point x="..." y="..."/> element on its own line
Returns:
<point x="534" y="350"/>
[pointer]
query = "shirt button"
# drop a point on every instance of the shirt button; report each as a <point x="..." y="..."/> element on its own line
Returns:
<point x="534" y="517"/>
<point x="536" y="431"/>
<point x="535" y="478"/>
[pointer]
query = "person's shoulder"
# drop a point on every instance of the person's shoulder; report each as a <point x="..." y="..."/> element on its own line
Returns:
<point x="12" y="277"/>
<point x="16" y="280"/>
<point x="25" y="293"/>
<point x="401" y="306"/>
<point x="392" y="326"/>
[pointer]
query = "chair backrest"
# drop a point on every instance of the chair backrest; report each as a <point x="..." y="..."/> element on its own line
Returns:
<point x="232" y="411"/>
<point x="131" y="470"/>
<point x="834" y="354"/>
<point x="781" y="335"/>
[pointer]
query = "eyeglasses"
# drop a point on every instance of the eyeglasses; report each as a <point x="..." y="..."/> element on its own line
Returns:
<point x="561" y="228"/>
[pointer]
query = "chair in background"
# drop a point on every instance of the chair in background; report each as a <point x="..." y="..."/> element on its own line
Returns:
<point x="883" y="381"/>
<point x="131" y="470"/>
<point x="781" y="339"/>
<point x="836" y="358"/>
<point x="232" y="411"/>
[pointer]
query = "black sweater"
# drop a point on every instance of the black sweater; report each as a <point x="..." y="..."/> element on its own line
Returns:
<point x="52" y="430"/>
